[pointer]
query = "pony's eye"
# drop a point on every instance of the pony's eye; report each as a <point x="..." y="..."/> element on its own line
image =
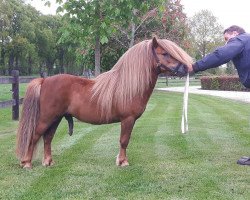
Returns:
<point x="165" y="54"/>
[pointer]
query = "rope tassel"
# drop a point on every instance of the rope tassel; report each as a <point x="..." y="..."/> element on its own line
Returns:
<point x="184" y="120"/>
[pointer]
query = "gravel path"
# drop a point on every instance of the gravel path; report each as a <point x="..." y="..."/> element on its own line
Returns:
<point x="240" y="96"/>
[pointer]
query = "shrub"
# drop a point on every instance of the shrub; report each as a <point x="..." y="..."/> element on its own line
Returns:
<point x="231" y="83"/>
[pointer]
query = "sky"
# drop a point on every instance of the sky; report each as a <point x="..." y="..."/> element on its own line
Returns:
<point x="39" y="5"/>
<point x="227" y="12"/>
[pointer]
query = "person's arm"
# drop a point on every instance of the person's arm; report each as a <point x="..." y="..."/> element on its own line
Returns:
<point x="220" y="56"/>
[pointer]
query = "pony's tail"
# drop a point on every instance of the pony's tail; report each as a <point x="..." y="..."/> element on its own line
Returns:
<point x="29" y="117"/>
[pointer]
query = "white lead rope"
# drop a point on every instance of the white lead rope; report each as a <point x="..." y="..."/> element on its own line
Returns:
<point x="184" y="121"/>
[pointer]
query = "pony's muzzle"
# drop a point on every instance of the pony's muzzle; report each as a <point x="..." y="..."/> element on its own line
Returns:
<point x="181" y="70"/>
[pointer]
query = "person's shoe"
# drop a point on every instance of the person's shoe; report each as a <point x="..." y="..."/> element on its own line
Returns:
<point x="244" y="161"/>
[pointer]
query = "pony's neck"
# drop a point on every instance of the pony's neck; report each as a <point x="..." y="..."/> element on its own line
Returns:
<point x="154" y="77"/>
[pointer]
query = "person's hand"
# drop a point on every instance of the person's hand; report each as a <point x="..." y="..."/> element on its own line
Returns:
<point x="190" y="68"/>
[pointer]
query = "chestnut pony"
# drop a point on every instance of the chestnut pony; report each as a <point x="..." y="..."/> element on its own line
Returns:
<point x="118" y="95"/>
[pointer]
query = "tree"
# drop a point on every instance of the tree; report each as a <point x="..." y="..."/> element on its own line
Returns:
<point x="110" y="27"/>
<point x="206" y="34"/>
<point x="5" y="38"/>
<point x="47" y="34"/>
<point x="104" y="29"/>
<point x="162" y="18"/>
<point x="27" y="38"/>
<point x="165" y="21"/>
<point x="206" y="31"/>
<point x="94" y="22"/>
<point x="174" y="21"/>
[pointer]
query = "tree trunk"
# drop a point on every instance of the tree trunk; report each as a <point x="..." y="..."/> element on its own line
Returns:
<point x="11" y="62"/>
<point x="29" y="65"/>
<point x="61" y="61"/>
<point x="17" y="62"/>
<point x="2" y="58"/>
<point x="132" y="39"/>
<point x="97" y="55"/>
<point x="49" y="65"/>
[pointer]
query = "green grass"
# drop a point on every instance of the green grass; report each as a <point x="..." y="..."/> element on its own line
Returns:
<point x="6" y="91"/>
<point x="161" y="82"/>
<point x="164" y="164"/>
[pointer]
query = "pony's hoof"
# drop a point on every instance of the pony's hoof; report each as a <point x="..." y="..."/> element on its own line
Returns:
<point x="48" y="163"/>
<point x="26" y="165"/>
<point x="122" y="162"/>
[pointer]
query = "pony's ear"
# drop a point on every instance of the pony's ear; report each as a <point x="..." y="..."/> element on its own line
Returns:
<point x="155" y="43"/>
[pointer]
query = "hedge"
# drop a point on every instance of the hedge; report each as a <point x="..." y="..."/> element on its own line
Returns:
<point x="231" y="83"/>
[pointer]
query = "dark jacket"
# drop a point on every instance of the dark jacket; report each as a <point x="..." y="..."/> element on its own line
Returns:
<point x="237" y="49"/>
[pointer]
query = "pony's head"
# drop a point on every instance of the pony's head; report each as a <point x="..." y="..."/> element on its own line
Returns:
<point x="169" y="58"/>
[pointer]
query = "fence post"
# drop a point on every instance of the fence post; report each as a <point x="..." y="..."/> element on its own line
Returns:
<point x="15" y="94"/>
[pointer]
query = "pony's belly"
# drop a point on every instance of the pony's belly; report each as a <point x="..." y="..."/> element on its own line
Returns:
<point x="89" y="113"/>
<point x="91" y="119"/>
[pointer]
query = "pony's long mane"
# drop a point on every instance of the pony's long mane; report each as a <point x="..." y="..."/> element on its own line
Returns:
<point x="131" y="75"/>
<point x="175" y="51"/>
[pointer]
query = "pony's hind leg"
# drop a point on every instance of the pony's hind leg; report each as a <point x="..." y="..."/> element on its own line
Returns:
<point x="47" y="139"/>
<point x="69" y="118"/>
<point x="26" y="160"/>
<point x="126" y="129"/>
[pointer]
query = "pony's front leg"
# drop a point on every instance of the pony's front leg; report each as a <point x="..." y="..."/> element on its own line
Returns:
<point x="47" y="139"/>
<point x="126" y="129"/>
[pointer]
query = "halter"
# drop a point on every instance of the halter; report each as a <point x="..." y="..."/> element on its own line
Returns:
<point x="174" y="70"/>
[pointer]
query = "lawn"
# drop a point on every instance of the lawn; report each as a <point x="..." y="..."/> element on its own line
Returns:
<point x="5" y="91"/>
<point x="177" y="82"/>
<point x="164" y="164"/>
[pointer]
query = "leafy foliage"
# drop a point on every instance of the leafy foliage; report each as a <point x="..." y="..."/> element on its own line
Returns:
<point x="87" y="35"/>
<point x="230" y="83"/>
<point x="28" y="39"/>
<point x="118" y="25"/>
<point x="206" y="34"/>
<point x="206" y="31"/>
